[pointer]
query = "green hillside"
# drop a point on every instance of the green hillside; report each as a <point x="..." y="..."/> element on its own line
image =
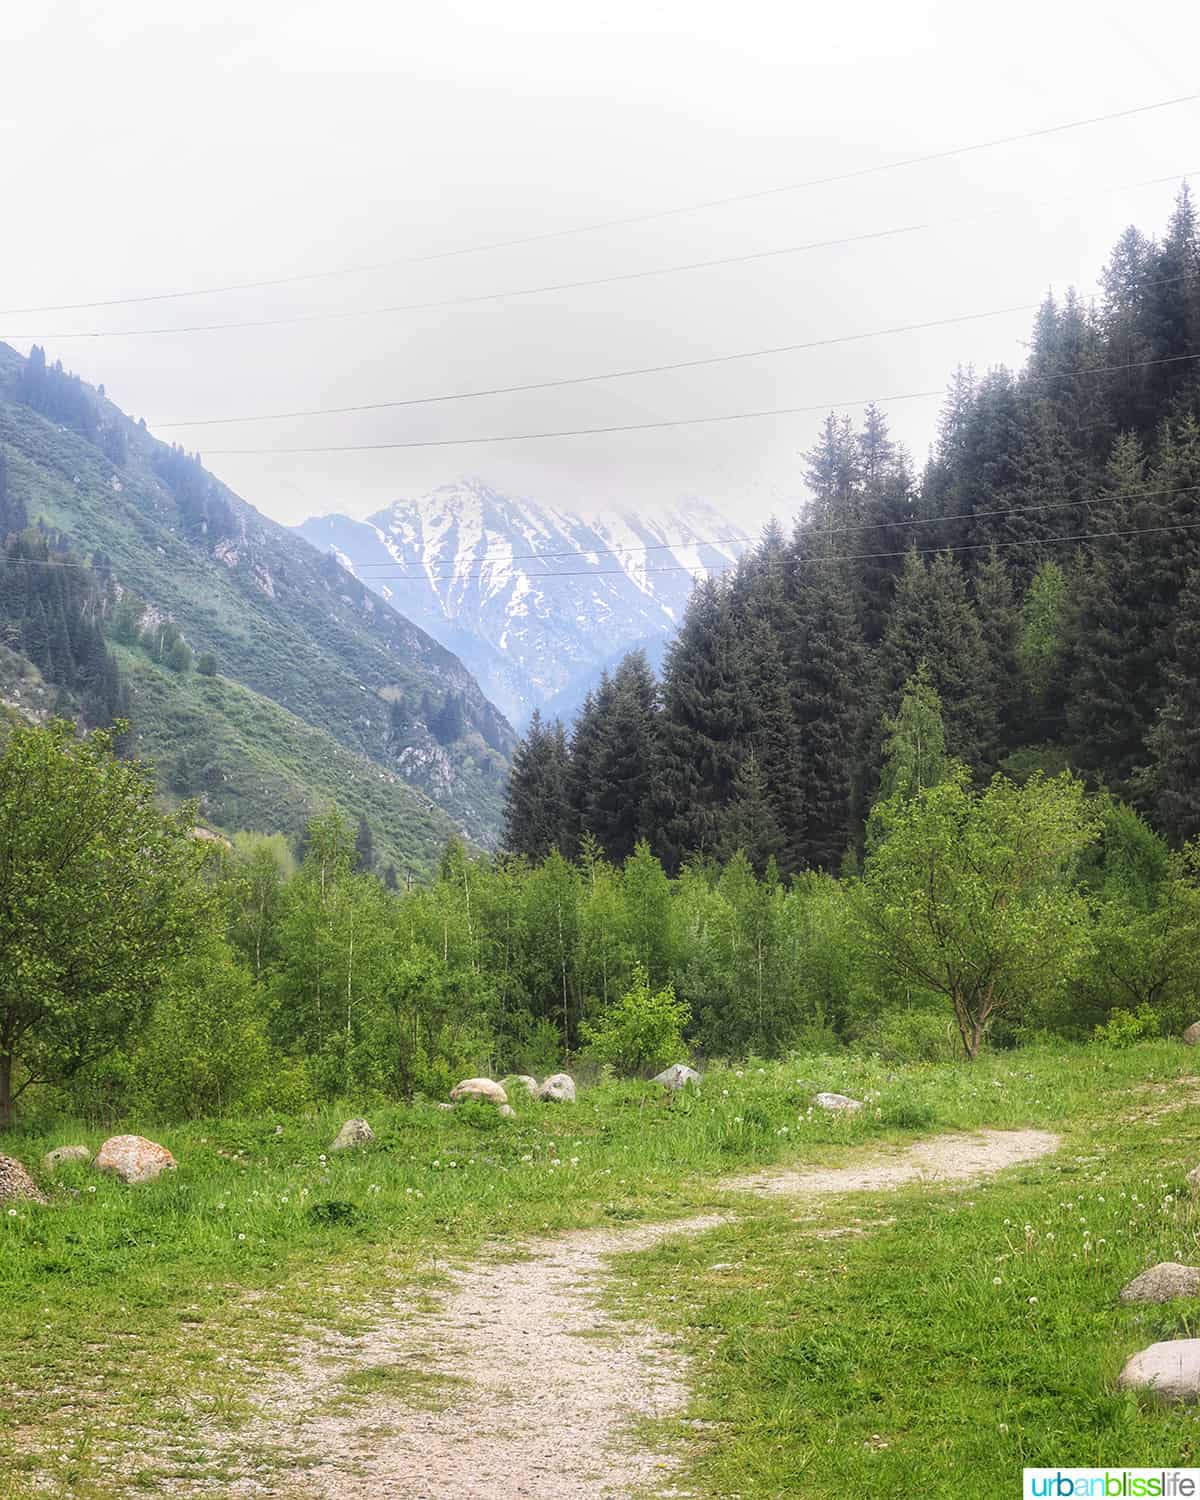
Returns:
<point x="283" y="621"/>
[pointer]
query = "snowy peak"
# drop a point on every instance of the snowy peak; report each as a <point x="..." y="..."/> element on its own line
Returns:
<point x="537" y="601"/>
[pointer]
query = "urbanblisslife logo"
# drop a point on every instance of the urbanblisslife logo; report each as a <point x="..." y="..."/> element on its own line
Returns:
<point x="1119" y="1484"/>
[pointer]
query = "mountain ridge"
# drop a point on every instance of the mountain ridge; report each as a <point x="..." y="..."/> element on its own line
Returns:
<point x="537" y="601"/>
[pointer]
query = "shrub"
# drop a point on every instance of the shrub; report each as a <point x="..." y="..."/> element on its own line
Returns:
<point x="909" y="1036"/>
<point x="206" y="664"/>
<point x="642" y="1031"/>
<point x="1124" y="1027"/>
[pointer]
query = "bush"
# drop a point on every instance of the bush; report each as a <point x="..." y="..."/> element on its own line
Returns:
<point x="908" y="1036"/>
<point x="642" y="1031"/>
<point x="206" y="664"/>
<point x="1124" y="1027"/>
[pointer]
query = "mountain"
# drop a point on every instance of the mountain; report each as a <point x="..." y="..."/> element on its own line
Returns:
<point x="306" y="656"/>
<point x="535" y="601"/>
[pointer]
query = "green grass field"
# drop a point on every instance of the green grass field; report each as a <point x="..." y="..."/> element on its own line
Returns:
<point x="963" y="1332"/>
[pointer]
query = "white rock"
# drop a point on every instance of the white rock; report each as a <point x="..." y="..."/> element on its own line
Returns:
<point x="1192" y="1035"/>
<point x="530" y="1085"/>
<point x="63" y="1154"/>
<point x="508" y="1112"/>
<point x="838" y="1103"/>
<point x="677" y="1076"/>
<point x="1193" y="1181"/>
<point x="1170" y="1370"/>
<point x="133" y="1158"/>
<point x="478" y="1088"/>
<point x="1163" y="1283"/>
<point x="354" y="1132"/>
<point x="559" y="1087"/>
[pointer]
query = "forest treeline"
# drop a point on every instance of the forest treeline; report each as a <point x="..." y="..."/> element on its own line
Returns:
<point x="1042" y="567"/>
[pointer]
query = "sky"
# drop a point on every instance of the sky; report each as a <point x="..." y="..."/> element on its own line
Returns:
<point x="152" y="147"/>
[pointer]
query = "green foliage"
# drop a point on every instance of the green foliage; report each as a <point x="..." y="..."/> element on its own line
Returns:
<point x="1125" y="1027"/>
<point x="206" y="664"/>
<point x="642" y="1032"/>
<point x="968" y="895"/>
<point x="99" y="902"/>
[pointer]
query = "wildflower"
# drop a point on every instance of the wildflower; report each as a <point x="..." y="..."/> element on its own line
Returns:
<point x="1033" y="1301"/>
<point x="997" y="1281"/>
<point x="91" y="1187"/>
<point x="527" y="1158"/>
<point x="574" y="1161"/>
<point x="1003" y="1426"/>
<point x="12" y="1213"/>
<point x="241" y="1237"/>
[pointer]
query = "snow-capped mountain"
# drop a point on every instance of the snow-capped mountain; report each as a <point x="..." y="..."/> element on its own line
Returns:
<point x="535" y="602"/>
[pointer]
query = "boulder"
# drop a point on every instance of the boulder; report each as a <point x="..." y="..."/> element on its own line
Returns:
<point x="61" y="1155"/>
<point x="838" y="1103"/>
<point x="530" y="1085"/>
<point x="1193" y="1181"/>
<point x="559" y="1087"/>
<point x="677" y="1076"/>
<point x="1163" y="1283"/>
<point x="1192" y="1035"/>
<point x="1170" y="1370"/>
<point x="16" y="1183"/>
<point x="354" y="1132"/>
<point x="133" y="1158"/>
<point x="478" y="1088"/>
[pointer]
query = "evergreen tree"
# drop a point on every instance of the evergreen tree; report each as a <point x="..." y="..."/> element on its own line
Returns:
<point x="536" y="812"/>
<point x="750" y="824"/>
<point x="623" y="760"/>
<point x="1173" y="780"/>
<point x="364" y="848"/>
<point x="1000" y="624"/>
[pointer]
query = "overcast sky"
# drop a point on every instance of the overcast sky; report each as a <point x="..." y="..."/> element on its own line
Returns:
<point x="148" y="146"/>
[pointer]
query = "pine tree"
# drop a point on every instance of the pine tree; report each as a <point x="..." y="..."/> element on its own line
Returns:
<point x="364" y="848"/>
<point x="750" y="823"/>
<point x="1173" y="781"/>
<point x="825" y="659"/>
<point x="623" y="760"/>
<point x="1000" y="624"/>
<point x="536" y="812"/>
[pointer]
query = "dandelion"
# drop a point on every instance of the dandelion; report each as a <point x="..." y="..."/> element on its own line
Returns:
<point x="241" y="1237"/>
<point x="91" y="1187"/>
<point x="12" y="1213"/>
<point x="1003" y="1426"/>
<point x="527" y="1158"/>
<point x="1033" y="1301"/>
<point x="997" y="1281"/>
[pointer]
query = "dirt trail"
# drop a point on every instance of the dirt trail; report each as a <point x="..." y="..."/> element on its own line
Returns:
<point x="553" y="1382"/>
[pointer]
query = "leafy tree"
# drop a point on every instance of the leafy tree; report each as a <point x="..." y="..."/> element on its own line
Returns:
<point x="206" y="664"/>
<point x="969" y="895"/>
<point x="99" y="901"/>
<point x="914" y="752"/>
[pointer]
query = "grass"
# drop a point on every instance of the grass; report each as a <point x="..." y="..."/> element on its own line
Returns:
<point x="884" y="1359"/>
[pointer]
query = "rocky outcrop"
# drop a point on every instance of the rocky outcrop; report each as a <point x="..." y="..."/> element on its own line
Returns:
<point x="16" y="1185"/>
<point x="356" y="1132"/>
<point x="559" y="1088"/>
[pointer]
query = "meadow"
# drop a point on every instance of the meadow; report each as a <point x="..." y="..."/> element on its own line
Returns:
<point x="951" y="1335"/>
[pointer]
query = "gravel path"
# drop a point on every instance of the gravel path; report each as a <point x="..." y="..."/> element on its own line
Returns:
<point x="552" y="1381"/>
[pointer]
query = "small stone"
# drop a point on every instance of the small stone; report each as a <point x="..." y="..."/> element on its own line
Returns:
<point x="1193" y="1181"/>
<point x="1192" y="1035"/>
<point x="1163" y="1283"/>
<point x="134" y="1159"/>
<point x="63" y="1154"/>
<point x="1170" y="1370"/>
<point x="677" y="1076"/>
<point x="16" y="1183"/>
<point x="559" y="1088"/>
<point x="478" y="1088"/>
<point x="356" y="1132"/>
<point x="507" y="1111"/>
<point x="838" y="1103"/>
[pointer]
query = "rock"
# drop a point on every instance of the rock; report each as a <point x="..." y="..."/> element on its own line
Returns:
<point x="530" y="1085"/>
<point x="1192" y="1035"/>
<point x="1193" y="1181"/>
<point x="61" y="1155"/>
<point x="838" y="1103"/>
<point x="507" y="1111"/>
<point x="354" y="1132"/>
<point x="16" y="1183"/>
<point x="133" y="1158"/>
<point x="478" y="1088"/>
<point x="677" y="1076"/>
<point x="1163" y="1283"/>
<point x="559" y="1087"/>
<point x="1170" y="1370"/>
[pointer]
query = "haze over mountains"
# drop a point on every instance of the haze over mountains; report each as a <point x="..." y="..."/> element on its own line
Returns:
<point x="536" y="602"/>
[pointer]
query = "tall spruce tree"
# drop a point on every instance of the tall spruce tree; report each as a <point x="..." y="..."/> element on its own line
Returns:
<point x="623" y="760"/>
<point x="536" y="812"/>
<point x="1173" y="780"/>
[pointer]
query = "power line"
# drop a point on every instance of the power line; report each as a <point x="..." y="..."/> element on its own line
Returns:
<point x="474" y="299"/>
<point x="966" y="515"/>
<point x="624" y="221"/>
<point x="741" y="416"/>
<point x="661" y="369"/>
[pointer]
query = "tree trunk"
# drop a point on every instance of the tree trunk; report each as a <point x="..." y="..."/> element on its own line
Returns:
<point x="6" y="1099"/>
